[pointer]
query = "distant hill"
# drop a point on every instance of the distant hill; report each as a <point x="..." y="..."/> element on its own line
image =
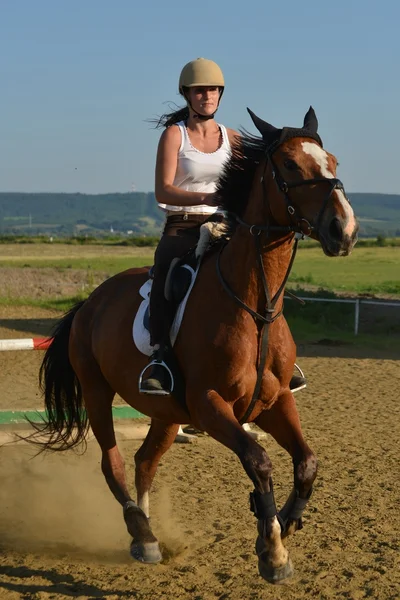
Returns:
<point x="379" y="214"/>
<point x="137" y="212"/>
<point x="84" y="213"/>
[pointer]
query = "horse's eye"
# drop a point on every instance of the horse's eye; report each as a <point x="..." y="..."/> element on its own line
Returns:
<point x="290" y="164"/>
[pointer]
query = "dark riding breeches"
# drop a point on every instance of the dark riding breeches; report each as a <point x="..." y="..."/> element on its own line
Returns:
<point x="181" y="233"/>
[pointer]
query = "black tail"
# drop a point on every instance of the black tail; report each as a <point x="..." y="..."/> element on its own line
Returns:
<point x="66" y="422"/>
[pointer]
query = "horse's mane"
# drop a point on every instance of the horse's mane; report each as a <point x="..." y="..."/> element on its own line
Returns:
<point x="236" y="179"/>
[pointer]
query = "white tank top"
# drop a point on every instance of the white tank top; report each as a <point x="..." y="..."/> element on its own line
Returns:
<point x="198" y="171"/>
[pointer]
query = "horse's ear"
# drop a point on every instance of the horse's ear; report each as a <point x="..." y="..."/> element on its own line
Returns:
<point x="268" y="132"/>
<point x="311" y="121"/>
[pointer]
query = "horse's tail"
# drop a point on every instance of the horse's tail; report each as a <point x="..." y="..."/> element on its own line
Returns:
<point x="66" y="423"/>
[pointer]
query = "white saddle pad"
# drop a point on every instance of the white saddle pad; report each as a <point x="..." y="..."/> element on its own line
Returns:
<point x="141" y="336"/>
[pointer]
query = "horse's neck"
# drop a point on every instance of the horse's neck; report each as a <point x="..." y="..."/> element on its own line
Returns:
<point x="240" y="266"/>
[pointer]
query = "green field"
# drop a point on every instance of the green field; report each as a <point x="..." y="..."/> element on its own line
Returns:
<point x="367" y="270"/>
<point x="56" y="276"/>
<point x="110" y="264"/>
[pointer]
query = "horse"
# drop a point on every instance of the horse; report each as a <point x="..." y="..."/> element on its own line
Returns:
<point x="234" y="350"/>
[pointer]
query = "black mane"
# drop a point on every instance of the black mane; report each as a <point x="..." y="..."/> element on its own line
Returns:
<point x="235" y="182"/>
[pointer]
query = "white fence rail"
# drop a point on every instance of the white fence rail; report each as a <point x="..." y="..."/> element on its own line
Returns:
<point x="356" y="301"/>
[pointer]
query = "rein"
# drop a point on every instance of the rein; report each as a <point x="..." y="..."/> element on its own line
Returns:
<point x="299" y="226"/>
<point x="269" y="317"/>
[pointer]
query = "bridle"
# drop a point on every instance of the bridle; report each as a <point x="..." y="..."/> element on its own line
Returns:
<point x="297" y="222"/>
<point x="299" y="226"/>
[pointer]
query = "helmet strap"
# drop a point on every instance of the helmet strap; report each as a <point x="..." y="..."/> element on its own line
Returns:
<point x="202" y="117"/>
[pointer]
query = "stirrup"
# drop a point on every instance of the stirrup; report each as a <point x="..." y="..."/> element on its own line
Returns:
<point x="161" y="392"/>
<point x="301" y="386"/>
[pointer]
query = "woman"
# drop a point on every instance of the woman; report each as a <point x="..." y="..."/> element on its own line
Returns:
<point x="191" y="153"/>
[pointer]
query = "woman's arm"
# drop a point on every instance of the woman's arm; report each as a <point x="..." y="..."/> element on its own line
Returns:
<point x="166" y="165"/>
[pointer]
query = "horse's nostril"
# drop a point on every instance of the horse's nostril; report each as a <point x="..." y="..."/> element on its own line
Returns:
<point x="336" y="230"/>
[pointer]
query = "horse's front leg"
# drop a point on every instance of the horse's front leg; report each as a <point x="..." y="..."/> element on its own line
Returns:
<point x="159" y="439"/>
<point x="283" y="423"/>
<point x="213" y="415"/>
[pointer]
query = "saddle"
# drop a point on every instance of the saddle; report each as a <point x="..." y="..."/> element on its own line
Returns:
<point x="179" y="277"/>
<point x="178" y="285"/>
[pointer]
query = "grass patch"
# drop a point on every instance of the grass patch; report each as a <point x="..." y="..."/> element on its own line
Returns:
<point x="324" y="328"/>
<point x="84" y="240"/>
<point x="305" y="332"/>
<point x="152" y="240"/>
<point x="311" y="323"/>
<point x="61" y="304"/>
<point x="336" y="321"/>
<point x="366" y="271"/>
<point x="335" y="317"/>
<point x="108" y="264"/>
<point x="369" y="270"/>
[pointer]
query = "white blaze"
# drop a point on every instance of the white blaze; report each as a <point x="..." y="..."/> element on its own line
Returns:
<point x="321" y="158"/>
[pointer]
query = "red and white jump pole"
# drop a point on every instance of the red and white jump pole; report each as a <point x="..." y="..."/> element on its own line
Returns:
<point x="25" y="344"/>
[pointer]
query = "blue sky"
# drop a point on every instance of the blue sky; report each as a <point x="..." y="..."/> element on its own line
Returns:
<point x="79" y="78"/>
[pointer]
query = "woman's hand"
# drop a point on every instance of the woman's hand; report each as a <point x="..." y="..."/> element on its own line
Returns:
<point x="211" y="199"/>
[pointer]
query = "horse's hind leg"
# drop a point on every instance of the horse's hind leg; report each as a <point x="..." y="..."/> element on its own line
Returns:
<point x="283" y="423"/>
<point x="98" y="397"/>
<point x="159" y="439"/>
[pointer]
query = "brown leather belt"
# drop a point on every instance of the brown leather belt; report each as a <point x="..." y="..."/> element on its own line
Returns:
<point x="194" y="217"/>
<point x="182" y="218"/>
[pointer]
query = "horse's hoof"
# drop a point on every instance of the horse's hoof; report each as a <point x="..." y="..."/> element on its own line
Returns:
<point x="273" y="574"/>
<point x="148" y="553"/>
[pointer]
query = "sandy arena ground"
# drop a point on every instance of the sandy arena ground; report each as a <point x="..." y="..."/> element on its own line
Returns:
<point x="62" y="534"/>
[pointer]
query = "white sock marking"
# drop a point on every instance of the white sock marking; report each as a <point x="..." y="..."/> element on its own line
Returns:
<point x="143" y="503"/>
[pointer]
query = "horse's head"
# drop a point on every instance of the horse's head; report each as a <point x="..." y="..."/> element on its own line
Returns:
<point x="303" y="191"/>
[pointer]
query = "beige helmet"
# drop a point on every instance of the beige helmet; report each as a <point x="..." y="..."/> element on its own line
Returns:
<point x="201" y="72"/>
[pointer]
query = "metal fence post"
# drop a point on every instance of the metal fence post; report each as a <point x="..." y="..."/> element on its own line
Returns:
<point x="356" y="316"/>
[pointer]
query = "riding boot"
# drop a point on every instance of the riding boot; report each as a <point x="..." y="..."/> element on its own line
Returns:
<point x="156" y="378"/>
<point x="297" y="383"/>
